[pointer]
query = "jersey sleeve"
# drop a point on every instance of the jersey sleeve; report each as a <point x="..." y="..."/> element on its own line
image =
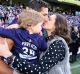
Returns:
<point x="9" y="33"/>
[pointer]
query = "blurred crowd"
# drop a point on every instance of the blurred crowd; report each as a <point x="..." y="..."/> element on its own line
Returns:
<point x="9" y="15"/>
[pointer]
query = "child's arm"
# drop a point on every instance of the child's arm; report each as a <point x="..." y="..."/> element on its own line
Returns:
<point x="13" y="26"/>
<point x="8" y="33"/>
<point x="42" y="44"/>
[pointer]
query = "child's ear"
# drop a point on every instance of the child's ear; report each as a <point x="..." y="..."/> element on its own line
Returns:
<point x="28" y="24"/>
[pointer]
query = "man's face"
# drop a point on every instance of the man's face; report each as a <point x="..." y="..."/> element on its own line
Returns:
<point x="44" y="12"/>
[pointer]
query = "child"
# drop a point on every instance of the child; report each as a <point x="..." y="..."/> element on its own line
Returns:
<point x="27" y="41"/>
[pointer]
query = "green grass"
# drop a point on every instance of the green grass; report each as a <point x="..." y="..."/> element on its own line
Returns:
<point x="76" y="63"/>
<point x="75" y="67"/>
<point x="76" y="71"/>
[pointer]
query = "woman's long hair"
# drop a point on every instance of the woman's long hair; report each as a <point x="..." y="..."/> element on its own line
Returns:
<point x="61" y="27"/>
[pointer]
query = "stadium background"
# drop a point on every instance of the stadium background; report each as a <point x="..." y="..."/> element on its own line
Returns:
<point x="69" y="7"/>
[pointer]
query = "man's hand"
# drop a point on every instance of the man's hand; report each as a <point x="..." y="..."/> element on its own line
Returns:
<point x="4" y="49"/>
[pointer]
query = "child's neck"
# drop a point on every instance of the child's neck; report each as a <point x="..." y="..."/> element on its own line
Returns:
<point x="30" y="31"/>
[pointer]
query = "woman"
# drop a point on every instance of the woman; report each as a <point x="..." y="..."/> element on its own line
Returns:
<point x="56" y="58"/>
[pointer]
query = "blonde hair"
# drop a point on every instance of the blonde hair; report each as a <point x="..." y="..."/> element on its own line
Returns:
<point x="29" y="17"/>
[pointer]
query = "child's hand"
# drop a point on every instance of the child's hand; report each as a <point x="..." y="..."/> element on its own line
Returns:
<point x="40" y="33"/>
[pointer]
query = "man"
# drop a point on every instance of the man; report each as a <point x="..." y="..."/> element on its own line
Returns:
<point x="39" y="6"/>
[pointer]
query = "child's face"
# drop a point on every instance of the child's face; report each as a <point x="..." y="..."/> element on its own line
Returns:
<point x="37" y="28"/>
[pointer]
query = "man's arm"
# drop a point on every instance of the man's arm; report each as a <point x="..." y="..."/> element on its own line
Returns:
<point x="4" y="68"/>
<point x="10" y="42"/>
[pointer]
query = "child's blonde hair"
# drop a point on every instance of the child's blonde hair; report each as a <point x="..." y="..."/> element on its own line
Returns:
<point x="29" y="17"/>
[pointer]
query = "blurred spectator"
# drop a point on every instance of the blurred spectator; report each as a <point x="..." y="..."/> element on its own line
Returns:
<point x="74" y="43"/>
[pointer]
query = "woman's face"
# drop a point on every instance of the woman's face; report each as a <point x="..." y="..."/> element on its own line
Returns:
<point x="50" y="25"/>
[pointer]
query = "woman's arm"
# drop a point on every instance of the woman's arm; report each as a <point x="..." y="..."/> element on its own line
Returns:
<point x="55" y="54"/>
